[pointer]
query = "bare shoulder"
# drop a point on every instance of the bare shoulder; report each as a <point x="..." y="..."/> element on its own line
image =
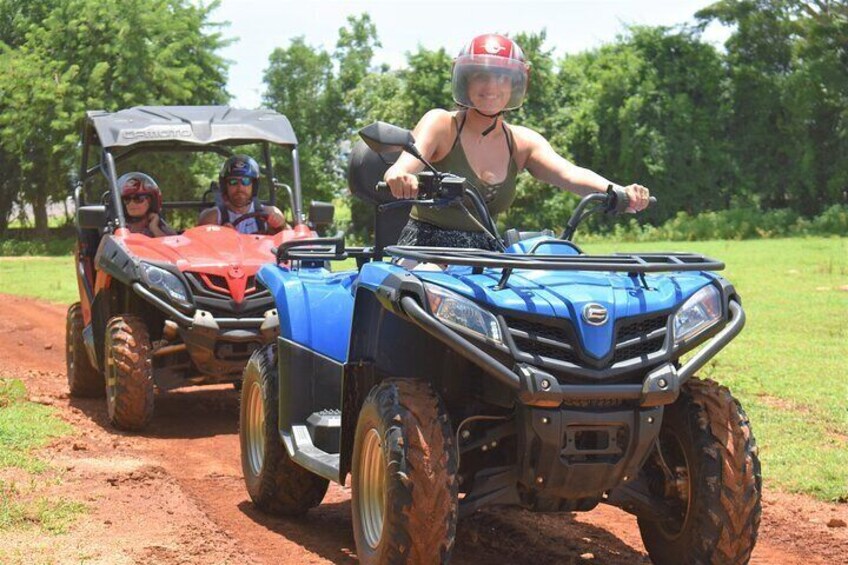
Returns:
<point x="526" y="142"/>
<point x="434" y="133"/>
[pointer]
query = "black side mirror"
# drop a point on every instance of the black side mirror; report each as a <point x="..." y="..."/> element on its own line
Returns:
<point x="385" y="138"/>
<point x="321" y="213"/>
<point x="91" y="217"/>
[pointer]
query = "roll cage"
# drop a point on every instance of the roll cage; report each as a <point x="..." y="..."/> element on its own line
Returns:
<point x="195" y="129"/>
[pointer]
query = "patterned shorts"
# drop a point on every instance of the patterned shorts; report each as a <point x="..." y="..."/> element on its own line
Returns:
<point x="427" y="235"/>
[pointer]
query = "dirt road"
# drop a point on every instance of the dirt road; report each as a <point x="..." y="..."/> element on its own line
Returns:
<point x="174" y="494"/>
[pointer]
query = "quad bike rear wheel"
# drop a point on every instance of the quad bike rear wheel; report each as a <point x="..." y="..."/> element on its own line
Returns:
<point x="275" y="483"/>
<point x="84" y="380"/>
<point x="706" y="468"/>
<point x="404" y="482"/>
<point x="129" y="373"/>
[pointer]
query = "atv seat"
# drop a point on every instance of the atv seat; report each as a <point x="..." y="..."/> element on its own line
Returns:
<point x="365" y="169"/>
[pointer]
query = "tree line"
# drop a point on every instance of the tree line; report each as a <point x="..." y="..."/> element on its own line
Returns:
<point x="762" y="123"/>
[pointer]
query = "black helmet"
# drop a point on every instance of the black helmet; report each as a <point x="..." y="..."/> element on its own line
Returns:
<point x="239" y="166"/>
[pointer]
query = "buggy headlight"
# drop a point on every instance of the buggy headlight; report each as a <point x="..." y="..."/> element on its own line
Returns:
<point x="165" y="283"/>
<point x="701" y="311"/>
<point x="459" y="312"/>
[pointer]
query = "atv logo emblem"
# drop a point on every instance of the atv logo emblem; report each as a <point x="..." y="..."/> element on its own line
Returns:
<point x="595" y="314"/>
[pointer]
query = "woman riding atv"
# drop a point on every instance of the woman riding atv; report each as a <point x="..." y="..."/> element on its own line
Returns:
<point x="489" y="77"/>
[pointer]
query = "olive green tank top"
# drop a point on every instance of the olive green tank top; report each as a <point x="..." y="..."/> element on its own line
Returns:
<point x="498" y="196"/>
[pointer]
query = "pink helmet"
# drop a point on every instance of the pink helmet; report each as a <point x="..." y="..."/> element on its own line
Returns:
<point x="490" y="53"/>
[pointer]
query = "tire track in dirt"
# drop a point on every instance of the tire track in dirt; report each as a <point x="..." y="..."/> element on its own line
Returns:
<point x="192" y="444"/>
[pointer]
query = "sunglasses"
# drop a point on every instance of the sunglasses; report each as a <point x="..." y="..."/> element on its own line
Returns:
<point x="135" y="198"/>
<point x="235" y="181"/>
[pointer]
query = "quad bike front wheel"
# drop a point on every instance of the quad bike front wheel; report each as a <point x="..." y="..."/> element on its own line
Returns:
<point x="404" y="483"/>
<point x="129" y="373"/>
<point x="84" y="380"/>
<point x="275" y="483"/>
<point x="707" y="471"/>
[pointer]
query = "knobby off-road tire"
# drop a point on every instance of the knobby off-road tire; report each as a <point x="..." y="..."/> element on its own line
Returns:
<point x="129" y="373"/>
<point x="707" y="432"/>
<point x="276" y="484"/>
<point x="404" y="483"/>
<point x="84" y="381"/>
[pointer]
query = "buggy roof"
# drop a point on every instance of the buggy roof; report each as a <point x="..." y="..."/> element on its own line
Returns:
<point x="186" y="125"/>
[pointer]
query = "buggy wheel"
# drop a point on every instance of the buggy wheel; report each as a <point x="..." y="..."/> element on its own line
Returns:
<point x="129" y="373"/>
<point x="707" y="470"/>
<point x="404" y="483"/>
<point x="276" y="484"/>
<point x="84" y="381"/>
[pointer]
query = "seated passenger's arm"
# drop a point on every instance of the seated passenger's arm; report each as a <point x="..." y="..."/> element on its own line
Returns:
<point x="208" y="217"/>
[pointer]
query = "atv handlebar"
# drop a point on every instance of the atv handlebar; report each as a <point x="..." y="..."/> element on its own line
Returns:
<point x="439" y="188"/>
<point x="614" y="201"/>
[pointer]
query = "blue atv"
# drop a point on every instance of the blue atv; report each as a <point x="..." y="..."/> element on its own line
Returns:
<point x="447" y="380"/>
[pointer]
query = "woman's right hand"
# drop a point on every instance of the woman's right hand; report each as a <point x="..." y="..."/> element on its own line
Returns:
<point x="402" y="184"/>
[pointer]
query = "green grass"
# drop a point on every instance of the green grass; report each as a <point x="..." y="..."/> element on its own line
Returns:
<point x="25" y="427"/>
<point x="788" y="366"/>
<point x="50" y="278"/>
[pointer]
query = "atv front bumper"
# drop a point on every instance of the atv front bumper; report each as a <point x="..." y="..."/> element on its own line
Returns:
<point x="575" y="442"/>
<point x="217" y="345"/>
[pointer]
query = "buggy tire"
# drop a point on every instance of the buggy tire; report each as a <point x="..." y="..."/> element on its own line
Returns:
<point x="276" y="484"/>
<point x="404" y="476"/>
<point x="707" y="433"/>
<point x="129" y="373"/>
<point x="84" y="380"/>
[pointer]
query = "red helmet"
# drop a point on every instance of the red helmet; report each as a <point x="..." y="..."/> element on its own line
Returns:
<point x="139" y="183"/>
<point x="495" y="55"/>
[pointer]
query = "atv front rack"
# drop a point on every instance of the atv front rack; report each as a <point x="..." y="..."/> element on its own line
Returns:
<point x="617" y="262"/>
<point x="631" y="263"/>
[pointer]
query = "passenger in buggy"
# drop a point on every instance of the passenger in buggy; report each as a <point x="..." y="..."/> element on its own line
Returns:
<point x="142" y="201"/>
<point x="240" y="208"/>
<point x="489" y="77"/>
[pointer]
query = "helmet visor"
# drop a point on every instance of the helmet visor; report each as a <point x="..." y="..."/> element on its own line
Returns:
<point x="492" y="75"/>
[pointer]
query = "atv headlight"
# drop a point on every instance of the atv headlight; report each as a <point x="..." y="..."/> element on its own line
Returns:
<point x="701" y="311"/>
<point x="165" y="283"/>
<point x="462" y="314"/>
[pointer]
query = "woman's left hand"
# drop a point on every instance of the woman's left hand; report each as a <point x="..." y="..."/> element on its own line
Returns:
<point x="638" y="196"/>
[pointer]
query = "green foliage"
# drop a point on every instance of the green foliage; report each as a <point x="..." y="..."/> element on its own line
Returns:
<point x="31" y="247"/>
<point x="732" y="224"/>
<point x="95" y="54"/>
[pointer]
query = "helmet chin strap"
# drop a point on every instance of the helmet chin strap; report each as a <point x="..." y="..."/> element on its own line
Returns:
<point x="494" y="117"/>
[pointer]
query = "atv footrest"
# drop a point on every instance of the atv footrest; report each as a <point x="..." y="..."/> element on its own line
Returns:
<point x="306" y="454"/>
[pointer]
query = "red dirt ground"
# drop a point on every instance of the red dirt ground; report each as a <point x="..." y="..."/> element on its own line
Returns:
<point x="174" y="493"/>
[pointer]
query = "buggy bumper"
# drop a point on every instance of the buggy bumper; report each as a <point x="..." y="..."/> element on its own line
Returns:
<point x="535" y="387"/>
<point x="217" y="345"/>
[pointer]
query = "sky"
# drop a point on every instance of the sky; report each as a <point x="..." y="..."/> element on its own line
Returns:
<point x="260" y="26"/>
